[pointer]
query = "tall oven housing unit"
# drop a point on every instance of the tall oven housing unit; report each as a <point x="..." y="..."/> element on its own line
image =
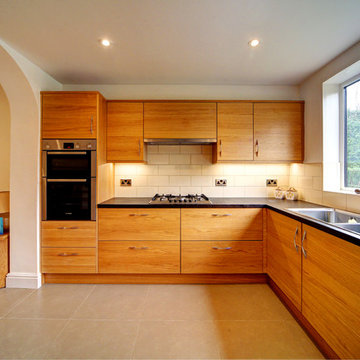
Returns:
<point x="68" y="179"/>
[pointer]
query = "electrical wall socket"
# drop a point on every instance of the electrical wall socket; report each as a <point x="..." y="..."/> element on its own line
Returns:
<point x="271" y="182"/>
<point x="220" y="182"/>
<point x="125" y="182"/>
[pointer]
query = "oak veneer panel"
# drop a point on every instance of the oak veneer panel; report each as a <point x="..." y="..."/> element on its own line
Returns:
<point x="68" y="233"/>
<point x="221" y="257"/>
<point x="179" y="120"/>
<point x="68" y="115"/>
<point x="4" y="258"/>
<point x="139" y="224"/>
<point x="221" y="224"/>
<point x="139" y="257"/>
<point x="331" y="290"/>
<point x="235" y="132"/>
<point x="283" y="260"/>
<point x="68" y="260"/>
<point x="278" y="127"/>
<point x="125" y="131"/>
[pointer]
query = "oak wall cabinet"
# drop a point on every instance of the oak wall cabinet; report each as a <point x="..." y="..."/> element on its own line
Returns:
<point x="179" y="120"/>
<point x="125" y="132"/>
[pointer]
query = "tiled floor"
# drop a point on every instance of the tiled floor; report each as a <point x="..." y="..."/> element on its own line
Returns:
<point x="149" y="322"/>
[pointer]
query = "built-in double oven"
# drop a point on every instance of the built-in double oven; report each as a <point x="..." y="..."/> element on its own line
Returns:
<point x="68" y="179"/>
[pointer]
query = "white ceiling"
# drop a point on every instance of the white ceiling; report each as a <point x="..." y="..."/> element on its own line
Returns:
<point x="180" y="41"/>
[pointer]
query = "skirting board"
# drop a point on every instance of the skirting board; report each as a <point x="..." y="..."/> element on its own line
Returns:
<point x="154" y="279"/>
<point x="23" y="280"/>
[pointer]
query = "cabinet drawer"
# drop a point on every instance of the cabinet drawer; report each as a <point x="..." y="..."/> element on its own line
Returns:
<point x="68" y="260"/>
<point x="221" y="224"/>
<point x="221" y="257"/>
<point x="141" y="257"/>
<point x="139" y="224"/>
<point x="68" y="233"/>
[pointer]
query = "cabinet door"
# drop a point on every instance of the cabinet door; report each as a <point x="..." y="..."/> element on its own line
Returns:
<point x="331" y="290"/>
<point x="179" y="120"/>
<point x="278" y="131"/>
<point x="69" y="115"/>
<point x="284" y="255"/>
<point x="139" y="257"/>
<point x="221" y="224"/>
<point x="221" y="257"/>
<point x="235" y="131"/>
<point x="125" y="130"/>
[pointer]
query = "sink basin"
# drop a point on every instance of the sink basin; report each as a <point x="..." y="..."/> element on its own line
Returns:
<point x="351" y="227"/>
<point x="332" y="216"/>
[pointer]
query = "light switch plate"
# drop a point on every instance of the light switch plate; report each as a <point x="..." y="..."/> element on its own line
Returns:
<point x="125" y="182"/>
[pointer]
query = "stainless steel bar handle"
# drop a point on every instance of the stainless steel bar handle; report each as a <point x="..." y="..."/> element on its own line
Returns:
<point x="257" y="147"/>
<point x="68" y="228"/>
<point x="219" y="248"/>
<point x="67" y="254"/>
<point x="302" y="244"/>
<point x="295" y="244"/>
<point x="138" y="248"/>
<point x="91" y="124"/>
<point x="221" y="215"/>
<point x="66" y="180"/>
<point x="66" y="153"/>
<point x="138" y="214"/>
<point x="220" y="148"/>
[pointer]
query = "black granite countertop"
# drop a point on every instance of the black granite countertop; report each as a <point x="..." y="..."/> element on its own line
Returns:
<point x="281" y="206"/>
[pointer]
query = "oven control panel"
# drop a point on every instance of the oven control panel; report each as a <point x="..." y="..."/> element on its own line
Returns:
<point x="68" y="145"/>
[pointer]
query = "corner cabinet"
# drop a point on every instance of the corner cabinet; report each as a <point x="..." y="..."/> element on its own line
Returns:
<point x="70" y="115"/>
<point x="125" y="132"/>
<point x="278" y="131"/>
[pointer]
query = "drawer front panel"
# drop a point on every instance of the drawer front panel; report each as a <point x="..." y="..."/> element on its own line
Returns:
<point x="68" y="233"/>
<point x="139" y="257"/>
<point x="68" y="260"/>
<point x="220" y="257"/>
<point x="139" y="224"/>
<point x="221" y="224"/>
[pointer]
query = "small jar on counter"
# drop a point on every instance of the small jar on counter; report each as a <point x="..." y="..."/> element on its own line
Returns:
<point x="292" y="194"/>
<point x="280" y="193"/>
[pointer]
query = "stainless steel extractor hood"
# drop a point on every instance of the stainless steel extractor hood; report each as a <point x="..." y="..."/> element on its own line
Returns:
<point x="179" y="141"/>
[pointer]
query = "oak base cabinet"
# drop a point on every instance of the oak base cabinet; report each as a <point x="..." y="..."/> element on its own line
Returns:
<point x="139" y="257"/>
<point x="221" y="257"/>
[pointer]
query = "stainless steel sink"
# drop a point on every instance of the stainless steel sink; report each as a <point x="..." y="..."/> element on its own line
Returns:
<point x="342" y="219"/>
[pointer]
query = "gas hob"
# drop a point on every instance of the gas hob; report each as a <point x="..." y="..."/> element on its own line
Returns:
<point x="190" y="199"/>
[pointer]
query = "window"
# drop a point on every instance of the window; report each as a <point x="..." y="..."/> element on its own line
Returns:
<point x="351" y="131"/>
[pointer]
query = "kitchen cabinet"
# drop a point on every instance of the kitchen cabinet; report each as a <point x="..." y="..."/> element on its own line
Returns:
<point x="221" y="224"/>
<point x="125" y="132"/>
<point x="235" y="132"/>
<point x="221" y="257"/>
<point x="284" y="254"/>
<point x="331" y="290"/>
<point x="139" y="257"/>
<point x="221" y="241"/>
<point x="4" y="258"/>
<point x="278" y="131"/>
<point x="70" y="115"/>
<point x="179" y="120"/>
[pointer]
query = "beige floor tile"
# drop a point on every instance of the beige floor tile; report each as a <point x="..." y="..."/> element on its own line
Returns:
<point x="264" y="340"/>
<point x="125" y="302"/>
<point x="176" y="340"/>
<point x="245" y="302"/>
<point x="52" y="302"/>
<point x="27" y="339"/>
<point x="174" y="302"/>
<point x="10" y="297"/>
<point x="95" y="339"/>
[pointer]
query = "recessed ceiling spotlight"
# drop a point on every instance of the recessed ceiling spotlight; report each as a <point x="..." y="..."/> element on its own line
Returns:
<point x="254" y="42"/>
<point x="105" y="42"/>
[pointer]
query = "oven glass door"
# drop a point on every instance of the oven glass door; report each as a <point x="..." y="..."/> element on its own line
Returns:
<point x="69" y="199"/>
<point x="68" y="164"/>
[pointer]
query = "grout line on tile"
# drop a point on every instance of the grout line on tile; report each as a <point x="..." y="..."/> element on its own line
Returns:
<point x="18" y="303"/>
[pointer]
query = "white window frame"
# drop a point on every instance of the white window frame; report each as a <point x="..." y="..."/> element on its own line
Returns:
<point x="342" y="130"/>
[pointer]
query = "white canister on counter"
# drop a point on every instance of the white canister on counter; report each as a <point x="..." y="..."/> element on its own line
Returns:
<point x="280" y="193"/>
<point x="292" y="194"/>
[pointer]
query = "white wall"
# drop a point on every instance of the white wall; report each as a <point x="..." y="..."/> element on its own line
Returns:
<point x="198" y="92"/>
<point x="4" y="142"/>
<point x="22" y="81"/>
<point x="311" y="92"/>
